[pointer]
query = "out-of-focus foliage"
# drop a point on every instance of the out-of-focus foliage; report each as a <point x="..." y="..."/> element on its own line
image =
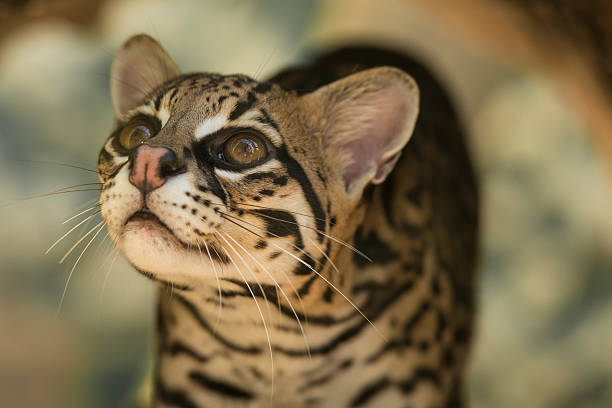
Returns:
<point x="546" y="276"/>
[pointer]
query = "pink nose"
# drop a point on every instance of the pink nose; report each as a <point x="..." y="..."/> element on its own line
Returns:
<point x="151" y="166"/>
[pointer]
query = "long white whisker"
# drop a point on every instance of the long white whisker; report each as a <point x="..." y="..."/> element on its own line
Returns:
<point x="82" y="212"/>
<point x="326" y="256"/>
<point x="263" y="320"/>
<point x="346" y="244"/>
<point x="218" y="282"/>
<point x="74" y="267"/>
<point x="105" y="281"/>
<point x="332" y="286"/>
<point x="69" y="231"/>
<point x="79" y="241"/>
<point x="281" y="290"/>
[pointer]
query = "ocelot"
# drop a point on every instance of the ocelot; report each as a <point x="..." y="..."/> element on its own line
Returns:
<point x="313" y="235"/>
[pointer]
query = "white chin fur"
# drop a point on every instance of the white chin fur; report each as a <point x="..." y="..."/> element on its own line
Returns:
<point x="152" y="249"/>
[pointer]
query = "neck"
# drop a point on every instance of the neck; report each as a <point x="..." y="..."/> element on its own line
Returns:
<point x="254" y="345"/>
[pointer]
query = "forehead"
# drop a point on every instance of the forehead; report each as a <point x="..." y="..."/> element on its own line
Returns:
<point x="199" y="104"/>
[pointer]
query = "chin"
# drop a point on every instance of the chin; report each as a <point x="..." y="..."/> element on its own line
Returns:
<point x="154" y="250"/>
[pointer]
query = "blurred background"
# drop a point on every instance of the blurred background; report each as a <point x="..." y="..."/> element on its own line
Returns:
<point x="536" y="112"/>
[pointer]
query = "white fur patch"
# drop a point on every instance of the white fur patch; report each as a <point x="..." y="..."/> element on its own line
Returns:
<point x="229" y="175"/>
<point x="210" y="126"/>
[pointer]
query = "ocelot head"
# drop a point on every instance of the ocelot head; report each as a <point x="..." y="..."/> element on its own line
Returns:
<point x="210" y="175"/>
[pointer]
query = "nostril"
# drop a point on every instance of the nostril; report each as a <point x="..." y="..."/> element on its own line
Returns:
<point x="169" y="165"/>
<point x="151" y="166"/>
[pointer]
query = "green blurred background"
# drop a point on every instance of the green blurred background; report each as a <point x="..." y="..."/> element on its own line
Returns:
<point x="545" y="322"/>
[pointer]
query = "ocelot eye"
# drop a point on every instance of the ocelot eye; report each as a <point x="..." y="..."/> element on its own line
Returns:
<point x="244" y="148"/>
<point x="135" y="133"/>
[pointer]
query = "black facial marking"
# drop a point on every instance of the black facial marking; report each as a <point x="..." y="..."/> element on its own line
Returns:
<point x="242" y="107"/>
<point x="297" y="173"/>
<point x="261" y="244"/>
<point x="275" y="255"/>
<point x="221" y="99"/>
<point x="302" y="269"/>
<point x="266" y="192"/>
<point x="280" y="223"/>
<point x="378" y="251"/>
<point x="267" y="120"/>
<point x="158" y="99"/>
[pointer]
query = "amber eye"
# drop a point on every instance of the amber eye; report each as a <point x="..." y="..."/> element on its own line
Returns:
<point x="244" y="148"/>
<point x="135" y="133"/>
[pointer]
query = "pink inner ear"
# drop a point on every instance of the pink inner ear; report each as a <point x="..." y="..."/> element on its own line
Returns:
<point x="376" y="134"/>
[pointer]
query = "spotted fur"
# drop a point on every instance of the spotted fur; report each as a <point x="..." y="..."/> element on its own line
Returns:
<point x="309" y="280"/>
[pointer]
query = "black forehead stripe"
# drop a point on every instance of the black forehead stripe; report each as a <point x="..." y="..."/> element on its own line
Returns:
<point x="267" y="120"/>
<point x="158" y="99"/>
<point x="297" y="172"/>
<point x="243" y="106"/>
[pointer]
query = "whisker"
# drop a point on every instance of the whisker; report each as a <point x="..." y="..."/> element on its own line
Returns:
<point x="80" y="240"/>
<point x="56" y="164"/>
<point x="82" y="212"/>
<point x="59" y="308"/>
<point x="270" y="208"/>
<point x="53" y="193"/>
<point x="281" y="290"/>
<point x="263" y="320"/>
<point x="224" y="215"/>
<point x="326" y="281"/>
<point x="218" y="283"/>
<point x="346" y="244"/>
<point x="105" y="281"/>
<point x="326" y="256"/>
<point x="70" y="230"/>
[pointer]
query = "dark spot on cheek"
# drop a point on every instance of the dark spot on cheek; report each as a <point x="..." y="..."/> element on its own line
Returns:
<point x="332" y="221"/>
<point x="261" y="244"/>
<point x="266" y="192"/>
<point x="206" y="203"/>
<point x="257" y="198"/>
<point x="275" y="255"/>
<point x="194" y="211"/>
<point x="184" y="206"/>
<point x="280" y="181"/>
<point x="203" y="189"/>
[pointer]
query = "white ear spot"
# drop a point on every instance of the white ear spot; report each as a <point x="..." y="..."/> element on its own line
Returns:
<point x="366" y="119"/>
<point x="140" y="66"/>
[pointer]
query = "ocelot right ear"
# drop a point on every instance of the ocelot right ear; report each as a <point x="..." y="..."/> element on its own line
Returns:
<point x="140" y="66"/>
<point x="364" y="120"/>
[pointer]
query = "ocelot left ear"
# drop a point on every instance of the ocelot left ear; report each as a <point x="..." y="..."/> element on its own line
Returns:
<point x="139" y="66"/>
<point x="365" y="120"/>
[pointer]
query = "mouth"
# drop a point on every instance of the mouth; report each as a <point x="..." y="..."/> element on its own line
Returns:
<point x="147" y="218"/>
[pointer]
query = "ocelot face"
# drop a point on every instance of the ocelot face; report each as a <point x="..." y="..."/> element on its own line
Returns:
<point x="209" y="176"/>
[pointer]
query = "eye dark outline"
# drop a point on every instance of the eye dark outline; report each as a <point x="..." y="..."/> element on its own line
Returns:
<point x="217" y="144"/>
<point x="149" y="124"/>
<point x="243" y="143"/>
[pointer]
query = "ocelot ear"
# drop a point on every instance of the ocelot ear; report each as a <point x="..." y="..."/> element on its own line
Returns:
<point x="364" y="121"/>
<point x="140" y="66"/>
